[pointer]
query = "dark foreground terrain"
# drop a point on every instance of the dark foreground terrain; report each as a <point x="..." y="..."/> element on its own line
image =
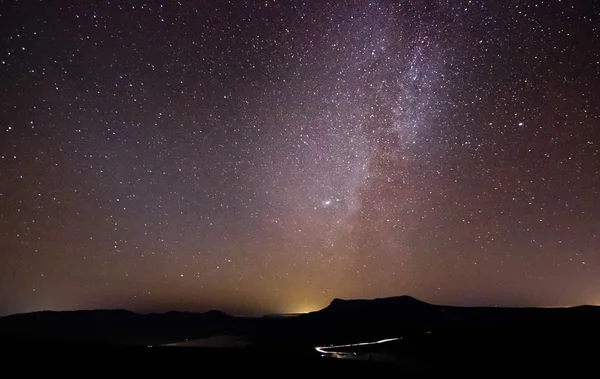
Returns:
<point x="418" y="338"/>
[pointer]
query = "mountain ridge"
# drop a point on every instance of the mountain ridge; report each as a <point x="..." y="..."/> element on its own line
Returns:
<point x="341" y="321"/>
<point x="406" y="299"/>
<point x="337" y="304"/>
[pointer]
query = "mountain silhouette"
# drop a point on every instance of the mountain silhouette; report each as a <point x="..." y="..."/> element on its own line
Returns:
<point x="120" y="327"/>
<point x="399" y="302"/>
<point x="342" y="321"/>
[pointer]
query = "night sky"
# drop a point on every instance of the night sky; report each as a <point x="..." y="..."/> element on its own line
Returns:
<point x="269" y="156"/>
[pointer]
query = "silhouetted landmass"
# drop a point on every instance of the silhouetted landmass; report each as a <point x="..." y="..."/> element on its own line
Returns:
<point x="116" y="327"/>
<point x="429" y="336"/>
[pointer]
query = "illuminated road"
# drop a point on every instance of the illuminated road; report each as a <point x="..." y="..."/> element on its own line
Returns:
<point x="321" y="349"/>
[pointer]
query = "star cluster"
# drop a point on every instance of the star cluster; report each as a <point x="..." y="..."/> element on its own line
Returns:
<point x="269" y="156"/>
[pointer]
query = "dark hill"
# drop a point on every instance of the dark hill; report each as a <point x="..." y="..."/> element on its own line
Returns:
<point x="118" y="327"/>
<point x="398" y="302"/>
<point x="343" y="321"/>
<point x="350" y="320"/>
<point x="428" y="335"/>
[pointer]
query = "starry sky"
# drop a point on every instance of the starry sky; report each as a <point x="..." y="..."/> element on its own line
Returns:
<point x="269" y="156"/>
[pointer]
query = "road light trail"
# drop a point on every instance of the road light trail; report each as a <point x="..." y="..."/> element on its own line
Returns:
<point x="320" y="349"/>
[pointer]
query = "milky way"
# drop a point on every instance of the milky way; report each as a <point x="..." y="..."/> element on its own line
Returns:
<point x="270" y="156"/>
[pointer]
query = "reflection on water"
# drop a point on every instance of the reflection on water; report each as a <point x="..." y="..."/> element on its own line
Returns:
<point x="374" y="357"/>
<point x="221" y="341"/>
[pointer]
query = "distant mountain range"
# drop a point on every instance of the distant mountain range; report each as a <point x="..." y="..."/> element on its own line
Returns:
<point x="340" y="322"/>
